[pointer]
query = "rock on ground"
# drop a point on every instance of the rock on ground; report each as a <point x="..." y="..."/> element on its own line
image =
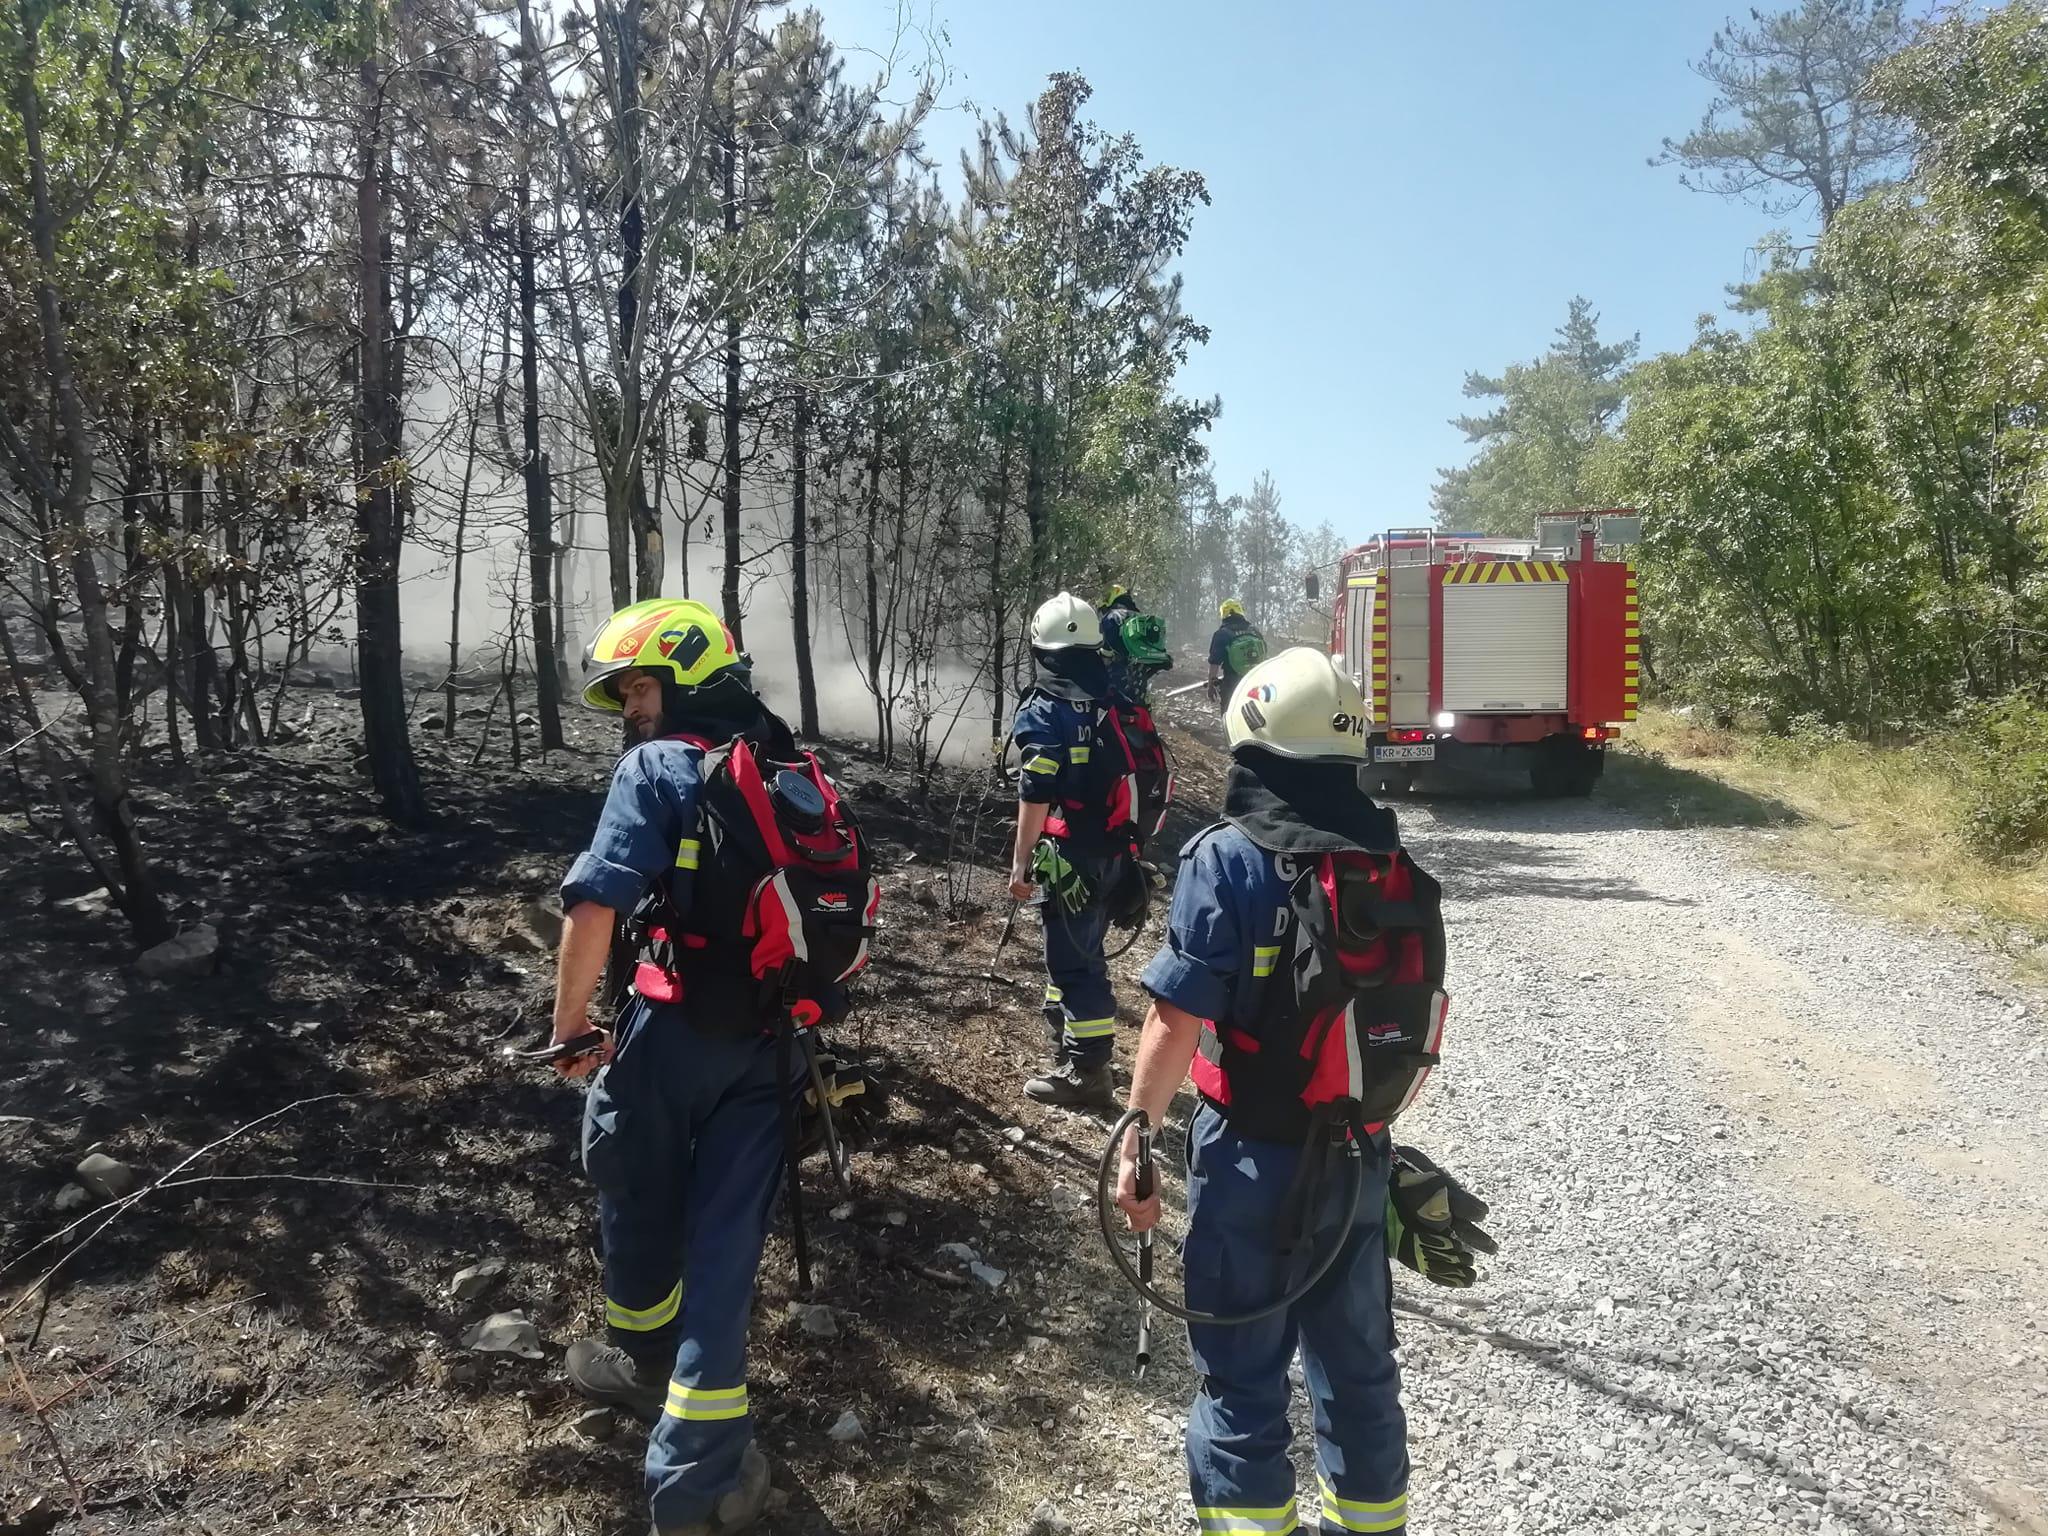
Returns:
<point x="194" y="952"/>
<point x="504" y="1333"/>
<point x="108" y="1177"/>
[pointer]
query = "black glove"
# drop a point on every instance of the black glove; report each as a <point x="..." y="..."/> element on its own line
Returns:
<point x="1433" y="1221"/>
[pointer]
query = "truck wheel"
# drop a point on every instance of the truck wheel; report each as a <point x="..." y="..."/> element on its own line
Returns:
<point x="1565" y="769"/>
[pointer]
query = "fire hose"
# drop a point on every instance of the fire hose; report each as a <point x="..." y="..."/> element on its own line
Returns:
<point x="1139" y="1275"/>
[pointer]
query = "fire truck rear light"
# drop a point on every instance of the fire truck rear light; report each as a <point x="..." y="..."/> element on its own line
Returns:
<point x="1404" y="738"/>
<point x="1598" y="732"/>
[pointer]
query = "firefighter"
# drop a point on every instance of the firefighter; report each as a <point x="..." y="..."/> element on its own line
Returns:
<point x="1120" y="604"/>
<point x="681" y="1130"/>
<point x="1292" y="794"/>
<point x="1134" y="644"/>
<point x="1234" y="650"/>
<point x="1067" y="839"/>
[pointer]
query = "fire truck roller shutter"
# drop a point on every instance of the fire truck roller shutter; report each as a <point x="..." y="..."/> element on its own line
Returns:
<point x="1504" y="646"/>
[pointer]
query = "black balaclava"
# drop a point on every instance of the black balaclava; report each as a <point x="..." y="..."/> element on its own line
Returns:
<point x="1291" y="805"/>
<point x="1076" y="672"/>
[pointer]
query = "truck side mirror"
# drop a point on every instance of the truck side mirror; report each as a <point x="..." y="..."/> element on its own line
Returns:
<point x="1311" y="586"/>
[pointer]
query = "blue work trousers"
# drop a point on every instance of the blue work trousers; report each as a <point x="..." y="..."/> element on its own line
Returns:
<point x="682" y="1135"/>
<point x="1234" y="1260"/>
<point x="1080" y="1009"/>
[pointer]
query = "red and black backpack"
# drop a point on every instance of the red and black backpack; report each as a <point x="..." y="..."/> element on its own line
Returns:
<point x="784" y="895"/>
<point x="1128" y="786"/>
<point x="1150" y="766"/>
<point x="1351" y="1016"/>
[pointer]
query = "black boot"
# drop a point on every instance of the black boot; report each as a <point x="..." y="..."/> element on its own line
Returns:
<point x="605" y="1373"/>
<point x="1074" y="1086"/>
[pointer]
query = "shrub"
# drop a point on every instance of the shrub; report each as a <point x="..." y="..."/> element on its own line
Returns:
<point x="2000" y="754"/>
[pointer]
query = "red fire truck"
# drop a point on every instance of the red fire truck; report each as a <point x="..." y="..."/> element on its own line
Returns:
<point x="1471" y="648"/>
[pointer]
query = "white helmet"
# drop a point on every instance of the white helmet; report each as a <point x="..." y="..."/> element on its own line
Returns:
<point x="1063" y="622"/>
<point x="1297" y="704"/>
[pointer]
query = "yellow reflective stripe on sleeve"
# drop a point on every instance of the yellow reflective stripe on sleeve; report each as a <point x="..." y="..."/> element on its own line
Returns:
<point x="1079" y="754"/>
<point x="706" y="1402"/>
<point x="688" y="851"/>
<point x="645" y="1319"/>
<point x="1090" y="1029"/>
<point x="1274" y="1520"/>
<point x="1264" y="958"/>
<point x="1053" y="994"/>
<point x="1042" y="765"/>
<point x="1363" y="1514"/>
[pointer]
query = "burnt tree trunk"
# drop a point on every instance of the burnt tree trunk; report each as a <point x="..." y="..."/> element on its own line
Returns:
<point x="648" y="553"/>
<point x="729" y="590"/>
<point x="998" y="603"/>
<point x="540" y="506"/>
<point x="135" y="499"/>
<point x="379" y="657"/>
<point x="799" y="531"/>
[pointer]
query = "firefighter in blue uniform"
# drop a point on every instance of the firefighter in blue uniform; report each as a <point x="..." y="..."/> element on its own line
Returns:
<point x="1234" y="650"/>
<point x="1119" y="605"/>
<point x="682" y="1134"/>
<point x="1293" y="793"/>
<point x="1133" y="644"/>
<point x="1068" y="826"/>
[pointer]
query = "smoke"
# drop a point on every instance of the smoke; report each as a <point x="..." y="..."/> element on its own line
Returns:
<point x="495" y="593"/>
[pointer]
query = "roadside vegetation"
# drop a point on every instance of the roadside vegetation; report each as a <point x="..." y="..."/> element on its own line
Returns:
<point x="1943" y="830"/>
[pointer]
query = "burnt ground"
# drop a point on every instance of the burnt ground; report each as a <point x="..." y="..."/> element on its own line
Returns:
<point x="267" y="1341"/>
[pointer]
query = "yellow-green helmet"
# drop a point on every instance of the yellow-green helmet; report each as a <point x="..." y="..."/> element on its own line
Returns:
<point x="1231" y="608"/>
<point x="661" y="634"/>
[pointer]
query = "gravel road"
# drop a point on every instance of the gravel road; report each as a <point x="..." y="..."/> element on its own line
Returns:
<point x="1770" y="1181"/>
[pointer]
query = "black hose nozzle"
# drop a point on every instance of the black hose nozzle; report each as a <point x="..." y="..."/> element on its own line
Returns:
<point x="1143" y="1189"/>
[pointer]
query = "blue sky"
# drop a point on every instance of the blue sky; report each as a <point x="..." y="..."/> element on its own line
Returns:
<point x="1402" y="190"/>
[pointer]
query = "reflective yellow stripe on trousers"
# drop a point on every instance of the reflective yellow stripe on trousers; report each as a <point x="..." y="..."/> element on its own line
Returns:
<point x="1277" y="1520"/>
<point x="644" y="1319"/>
<point x="1090" y="1029"/>
<point x="706" y="1402"/>
<point x="1363" y="1514"/>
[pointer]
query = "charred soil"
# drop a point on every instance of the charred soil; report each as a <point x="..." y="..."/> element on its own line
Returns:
<point x="270" y="1339"/>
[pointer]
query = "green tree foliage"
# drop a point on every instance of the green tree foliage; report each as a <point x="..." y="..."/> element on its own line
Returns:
<point x="1774" y="570"/>
<point x="1845" y="502"/>
<point x="1538" y="446"/>
<point x="1792" y="121"/>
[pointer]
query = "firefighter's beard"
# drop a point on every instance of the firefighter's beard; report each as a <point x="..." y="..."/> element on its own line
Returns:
<point x="639" y="728"/>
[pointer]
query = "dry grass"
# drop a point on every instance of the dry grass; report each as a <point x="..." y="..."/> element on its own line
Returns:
<point x="1879" y="821"/>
